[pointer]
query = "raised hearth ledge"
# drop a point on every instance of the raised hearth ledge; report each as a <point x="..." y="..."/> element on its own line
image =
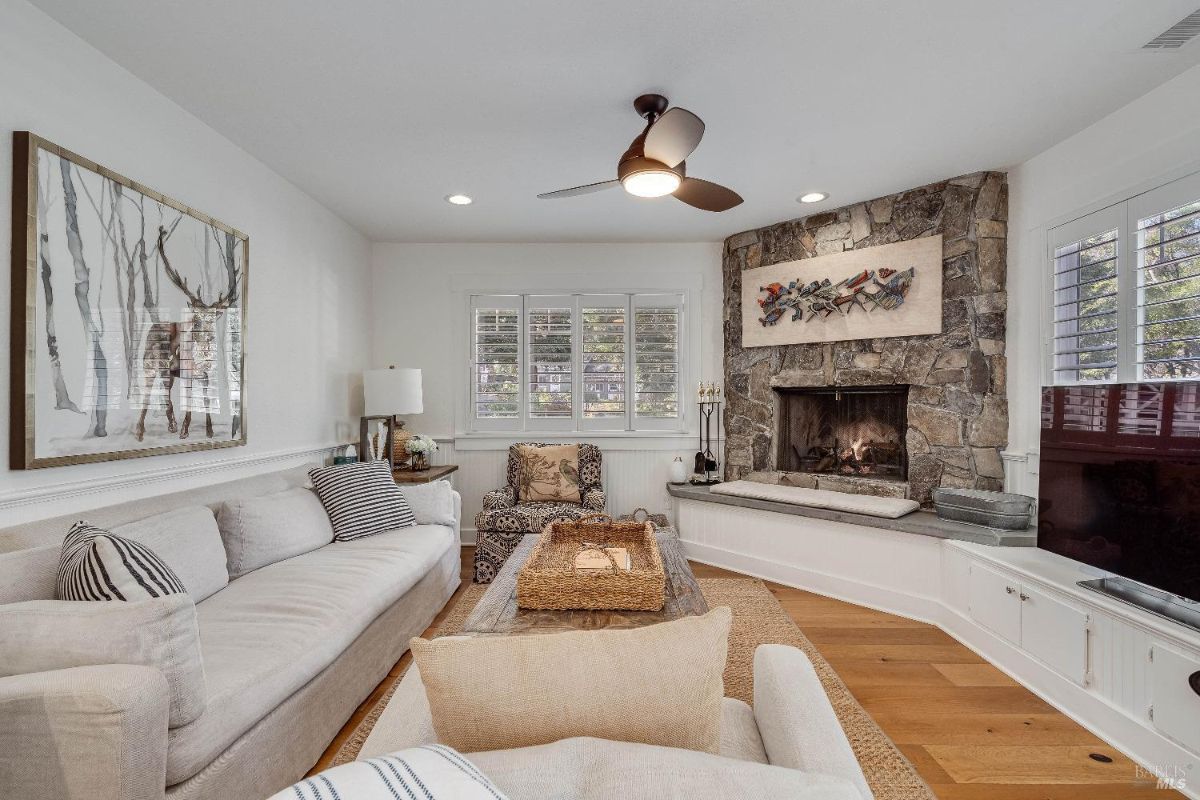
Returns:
<point x="923" y="523"/>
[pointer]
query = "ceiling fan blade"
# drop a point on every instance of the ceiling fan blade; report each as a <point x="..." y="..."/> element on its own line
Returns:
<point x="575" y="191"/>
<point x="673" y="136"/>
<point x="707" y="195"/>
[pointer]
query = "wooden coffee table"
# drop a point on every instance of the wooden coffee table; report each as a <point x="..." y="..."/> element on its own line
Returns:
<point x="497" y="611"/>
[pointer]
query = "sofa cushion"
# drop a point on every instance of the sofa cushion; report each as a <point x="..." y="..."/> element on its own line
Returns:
<point x="44" y="635"/>
<point x="596" y="769"/>
<point x="262" y="530"/>
<point x="188" y="540"/>
<point x="361" y="499"/>
<point x="432" y="771"/>
<point x="548" y="473"/>
<point x="97" y="565"/>
<point x="273" y="630"/>
<point x="580" y="683"/>
<point x="431" y="503"/>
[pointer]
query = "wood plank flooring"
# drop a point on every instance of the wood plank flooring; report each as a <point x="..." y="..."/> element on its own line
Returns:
<point x="971" y="731"/>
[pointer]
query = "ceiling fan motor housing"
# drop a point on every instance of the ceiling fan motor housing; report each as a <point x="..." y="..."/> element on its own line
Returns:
<point x="633" y="161"/>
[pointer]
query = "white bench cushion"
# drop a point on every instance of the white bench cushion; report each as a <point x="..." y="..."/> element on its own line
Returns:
<point x="888" y="507"/>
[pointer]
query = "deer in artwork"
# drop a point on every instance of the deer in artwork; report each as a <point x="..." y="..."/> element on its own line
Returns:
<point x="195" y="339"/>
<point x="160" y="361"/>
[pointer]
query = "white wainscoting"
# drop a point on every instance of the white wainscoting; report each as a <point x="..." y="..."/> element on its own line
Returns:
<point x="930" y="579"/>
<point x="633" y="478"/>
<point x="71" y="495"/>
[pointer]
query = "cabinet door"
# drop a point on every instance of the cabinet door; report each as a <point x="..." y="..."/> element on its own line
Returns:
<point x="995" y="602"/>
<point x="1175" y="695"/>
<point x="1055" y="633"/>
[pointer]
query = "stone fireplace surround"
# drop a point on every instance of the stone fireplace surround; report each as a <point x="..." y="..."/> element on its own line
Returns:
<point x="957" y="407"/>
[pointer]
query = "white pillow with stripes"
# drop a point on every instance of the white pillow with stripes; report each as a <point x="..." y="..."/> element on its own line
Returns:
<point x="430" y="772"/>
<point x="96" y="565"/>
<point x="361" y="499"/>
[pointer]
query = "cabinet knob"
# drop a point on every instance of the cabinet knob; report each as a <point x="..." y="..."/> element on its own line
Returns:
<point x="1024" y="597"/>
<point x="1009" y="589"/>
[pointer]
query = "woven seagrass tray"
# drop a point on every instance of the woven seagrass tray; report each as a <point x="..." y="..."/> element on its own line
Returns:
<point x="549" y="580"/>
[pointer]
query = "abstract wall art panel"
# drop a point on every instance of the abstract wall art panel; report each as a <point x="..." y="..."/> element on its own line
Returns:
<point x="872" y="293"/>
<point x="128" y="317"/>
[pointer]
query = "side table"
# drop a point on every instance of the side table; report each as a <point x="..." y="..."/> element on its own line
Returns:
<point x="423" y="475"/>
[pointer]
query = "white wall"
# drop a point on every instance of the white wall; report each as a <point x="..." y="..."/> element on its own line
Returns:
<point x="1150" y="141"/>
<point x="309" y="274"/>
<point x="419" y="296"/>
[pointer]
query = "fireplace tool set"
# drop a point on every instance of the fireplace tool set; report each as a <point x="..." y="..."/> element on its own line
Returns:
<point x="708" y="397"/>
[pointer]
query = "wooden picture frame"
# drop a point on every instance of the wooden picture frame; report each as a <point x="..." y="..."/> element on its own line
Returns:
<point x="158" y="322"/>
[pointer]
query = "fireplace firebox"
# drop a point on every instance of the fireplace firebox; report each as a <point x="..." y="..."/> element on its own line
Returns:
<point x="857" y="430"/>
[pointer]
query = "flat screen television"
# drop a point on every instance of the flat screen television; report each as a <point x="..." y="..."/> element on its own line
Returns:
<point x="1119" y="483"/>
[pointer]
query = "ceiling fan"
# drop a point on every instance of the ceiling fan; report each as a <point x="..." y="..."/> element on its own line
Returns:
<point x="653" y="166"/>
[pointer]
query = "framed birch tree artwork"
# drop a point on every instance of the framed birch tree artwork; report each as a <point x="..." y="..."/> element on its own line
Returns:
<point x="128" y="317"/>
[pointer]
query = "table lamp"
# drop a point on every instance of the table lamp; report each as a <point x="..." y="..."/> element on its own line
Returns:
<point x="386" y="394"/>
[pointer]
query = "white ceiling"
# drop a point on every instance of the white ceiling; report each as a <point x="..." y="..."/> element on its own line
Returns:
<point x="380" y="108"/>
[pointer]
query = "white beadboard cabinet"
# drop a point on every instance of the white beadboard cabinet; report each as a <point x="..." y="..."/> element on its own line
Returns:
<point x="1019" y="607"/>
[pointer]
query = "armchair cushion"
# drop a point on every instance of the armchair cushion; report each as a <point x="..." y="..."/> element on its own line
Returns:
<point x="594" y="499"/>
<point x="528" y="517"/>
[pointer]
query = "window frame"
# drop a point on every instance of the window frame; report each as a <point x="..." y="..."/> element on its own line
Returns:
<point x="1124" y="216"/>
<point x="688" y="354"/>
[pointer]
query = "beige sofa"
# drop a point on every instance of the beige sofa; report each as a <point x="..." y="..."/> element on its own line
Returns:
<point x="289" y="651"/>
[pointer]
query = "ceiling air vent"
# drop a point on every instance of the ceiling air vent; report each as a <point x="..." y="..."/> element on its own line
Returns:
<point x="1177" y="35"/>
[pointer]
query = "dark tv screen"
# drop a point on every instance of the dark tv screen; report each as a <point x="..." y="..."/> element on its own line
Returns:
<point x="1119" y="483"/>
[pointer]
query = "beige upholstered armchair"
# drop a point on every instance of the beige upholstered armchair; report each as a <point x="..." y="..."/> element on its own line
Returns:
<point x="505" y="519"/>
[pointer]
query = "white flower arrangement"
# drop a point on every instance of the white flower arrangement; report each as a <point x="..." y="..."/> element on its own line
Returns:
<point x="421" y="445"/>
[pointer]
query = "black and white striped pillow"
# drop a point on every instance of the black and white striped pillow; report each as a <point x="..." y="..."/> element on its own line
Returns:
<point x="96" y="565"/>
<point x="361" y="499"/>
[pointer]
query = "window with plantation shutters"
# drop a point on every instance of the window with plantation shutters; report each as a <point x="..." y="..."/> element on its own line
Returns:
<point x="577" y="362"/>
<point x="495" y="359"/>
<point x="603" y="352"/>
<point x="656" y="327"/>
<point x="550" y="357"/>
<point x="1124" y="292"/>
<point x="1168" y="294"/>
<point x="1085" y="309"/>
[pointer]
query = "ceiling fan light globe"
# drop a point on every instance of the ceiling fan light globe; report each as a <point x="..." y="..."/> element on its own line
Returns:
<point x="651" y="183"/>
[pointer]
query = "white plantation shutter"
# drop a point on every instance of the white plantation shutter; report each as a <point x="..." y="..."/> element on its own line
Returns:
<point x="594" y="362"/>
<point x="495" y="362"/>
<point x="1084" y="313"/>
<point x="1124" y="291"/>
<point x="1167" y="310"/>
<point x="604" y="355"/>
<point x="550" y="359"/>
<point x="657" y="331"/>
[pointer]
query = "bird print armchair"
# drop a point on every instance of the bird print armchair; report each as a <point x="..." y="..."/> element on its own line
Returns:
<point x="553" y="488"/>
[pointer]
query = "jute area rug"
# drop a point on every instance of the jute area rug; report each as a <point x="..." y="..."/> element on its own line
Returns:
<point x="758" y="618"/>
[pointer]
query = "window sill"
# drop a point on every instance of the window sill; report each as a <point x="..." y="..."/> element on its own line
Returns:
<point x="606" y="440"/>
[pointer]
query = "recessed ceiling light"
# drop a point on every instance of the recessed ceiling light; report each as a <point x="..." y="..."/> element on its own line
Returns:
<point x="459" y="200"/>
<point x="814" y="197"/>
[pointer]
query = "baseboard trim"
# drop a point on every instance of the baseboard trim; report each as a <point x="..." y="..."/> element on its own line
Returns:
<point x="79" y="488"/>
<point x="921" y="608"/>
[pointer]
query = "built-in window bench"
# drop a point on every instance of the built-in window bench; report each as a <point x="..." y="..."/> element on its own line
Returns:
<point x="922" y="523"/>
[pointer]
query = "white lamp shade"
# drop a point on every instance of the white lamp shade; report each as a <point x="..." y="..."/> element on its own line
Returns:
<point x="392" y="391"/>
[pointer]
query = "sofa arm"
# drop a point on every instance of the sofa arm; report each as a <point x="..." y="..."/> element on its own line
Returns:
<point x="594" y="499"/>
<point x="87" y="732"/>
<point x="499" y="499"/>
<point x="797" y="724"/>
<point x="457" y="514"/>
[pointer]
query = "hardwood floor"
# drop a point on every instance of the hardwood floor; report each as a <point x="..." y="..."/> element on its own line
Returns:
<point x="971" y="731"/>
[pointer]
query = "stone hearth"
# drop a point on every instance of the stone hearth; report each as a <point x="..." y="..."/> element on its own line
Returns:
<point x="957" y="409"/>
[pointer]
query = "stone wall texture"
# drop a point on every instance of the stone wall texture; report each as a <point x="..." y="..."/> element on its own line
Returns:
<point x="957" y="412"/>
